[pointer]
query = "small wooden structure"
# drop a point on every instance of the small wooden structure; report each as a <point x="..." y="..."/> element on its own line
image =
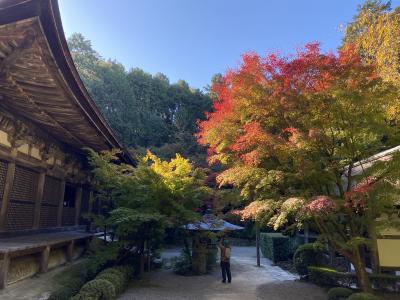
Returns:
<point x="388" y="241"/>
<point x="46" y="118"/>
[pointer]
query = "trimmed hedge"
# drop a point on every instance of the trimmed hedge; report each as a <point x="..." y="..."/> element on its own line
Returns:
<point x="116" y="280"/>
<point x="275" y="246"/>
<point x="97" y="289"/>
<point x="339" y="293"/>
<point x="308" y="255"/>
<point x="127" y="270"/>
<point x="107" y="284"/>
<point x="330" y="277"/>
<point x="363" y="296"/>
<point x="71" y="281"/>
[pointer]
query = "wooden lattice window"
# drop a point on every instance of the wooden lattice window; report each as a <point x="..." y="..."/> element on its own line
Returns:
<point x="50" y="202"/>
<point x="52" y="191"/>
<point x="21" y="208"/>
<point x="3" y="174"/>
<point x="25" y="183"/>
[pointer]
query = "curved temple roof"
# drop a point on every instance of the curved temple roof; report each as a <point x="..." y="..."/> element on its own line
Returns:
<point x="39" y="81"/>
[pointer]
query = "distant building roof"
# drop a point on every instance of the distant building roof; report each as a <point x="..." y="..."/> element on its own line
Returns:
<point x="212" y="223"/>
<point x="386" y="155"/>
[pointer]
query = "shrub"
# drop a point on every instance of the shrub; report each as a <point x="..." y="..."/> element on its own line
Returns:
<point x="98" y="289"/>
<point x="117" y="281"/>
<point x="211" y="259"/>
<point x="275" y="246"/>
<point x="127" y="270"/>
<point x="331" y="277"/>
<point x="63" y="293"/>
<point x="71" y="282"/>
<point x="384" y="281"/>
<point x="102" y="256"/>
<point x="183" y="264"/>
<point x="339" y="293"/>
<point x="363" y="296"/>
<point x="85" y="296"/>
<point x="308" y="255"/>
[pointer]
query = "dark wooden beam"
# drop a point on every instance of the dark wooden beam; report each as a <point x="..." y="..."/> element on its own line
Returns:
<point x="44" y="259"/>
<point x="78" y="203"/>
<point x="61" y="203"/>
<point x="7" y="192"/>
<point x="38" y="199"/>
<point x="4" y="265"/>
<point x="9" y="61"/>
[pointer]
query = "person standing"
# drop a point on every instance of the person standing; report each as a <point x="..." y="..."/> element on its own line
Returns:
<point x="225" y="255"/>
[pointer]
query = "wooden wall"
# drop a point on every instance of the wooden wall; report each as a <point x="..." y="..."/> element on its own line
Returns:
<point x="35" y="173"/>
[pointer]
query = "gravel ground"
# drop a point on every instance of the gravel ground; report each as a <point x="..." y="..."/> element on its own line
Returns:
<point x="248" y="282"/>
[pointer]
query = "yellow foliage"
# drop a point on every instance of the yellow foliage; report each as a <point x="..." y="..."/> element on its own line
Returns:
<point x="378" y="42"/>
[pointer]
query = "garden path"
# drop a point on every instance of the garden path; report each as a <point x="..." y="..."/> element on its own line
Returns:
<point x="248" y="282"/>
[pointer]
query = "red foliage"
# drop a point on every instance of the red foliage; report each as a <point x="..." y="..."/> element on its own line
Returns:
<point x="320" y="205"/>
<point x="248" y="144"/>
<point x="259" y="105"/>
<point x="356" y="199"/>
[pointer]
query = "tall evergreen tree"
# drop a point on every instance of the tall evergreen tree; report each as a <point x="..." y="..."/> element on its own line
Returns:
<point x="146" y="111"/>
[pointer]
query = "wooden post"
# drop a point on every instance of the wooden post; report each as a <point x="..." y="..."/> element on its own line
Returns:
<point x="78" y="203"/>
<point x="4" y="264"/>
<point x="258" y="245"/>
<point x="38" y="200"/>
<point x="44" y="259"/>
<point x="70" y="251"/>
<point x="7" y="192"/>
<point x="61" y="203"/>
<point x="90" y="207"/>
<point x="306" y="233"/>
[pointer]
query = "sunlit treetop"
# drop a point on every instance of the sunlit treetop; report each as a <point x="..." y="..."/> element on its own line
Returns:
<point x="272" y="106"/>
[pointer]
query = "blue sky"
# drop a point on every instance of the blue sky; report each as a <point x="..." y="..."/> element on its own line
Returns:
<point x="194" y="39"/>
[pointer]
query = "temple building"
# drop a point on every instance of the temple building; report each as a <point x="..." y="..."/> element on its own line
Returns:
<point x="47" y="118"/>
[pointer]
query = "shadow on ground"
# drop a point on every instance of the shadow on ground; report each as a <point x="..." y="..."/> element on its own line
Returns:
<point x="249" y="282"/>
<point x="280" y="290"/>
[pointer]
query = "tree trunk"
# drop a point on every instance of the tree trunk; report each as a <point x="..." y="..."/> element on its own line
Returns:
<point x="374" y="252"/>
<point x="187" y="249"/>
<point x="142" y="259"/>
<point x="362" y="276"/>
<point x="148" y="256"/>
<point x="258" y="245"/>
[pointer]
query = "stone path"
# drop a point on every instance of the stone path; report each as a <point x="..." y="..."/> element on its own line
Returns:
<point x="249" y="282"/>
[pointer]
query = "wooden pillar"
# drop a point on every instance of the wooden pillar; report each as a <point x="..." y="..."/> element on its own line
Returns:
<point x="258" y="245"/>
<point x="61" y="203"/>
<point x="4" y="265"/>
<point x="44" y="259"/>
<point x="78" y="203"/>
<point x="90" y="207"/>
<point x="91" y="199"/>
<point x="38" y="200"/>
<point x="70" y="251"/>
<point x="7" y="191"/>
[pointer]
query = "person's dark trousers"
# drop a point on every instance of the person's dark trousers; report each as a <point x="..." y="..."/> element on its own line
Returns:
<point x="226" y="271"/>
